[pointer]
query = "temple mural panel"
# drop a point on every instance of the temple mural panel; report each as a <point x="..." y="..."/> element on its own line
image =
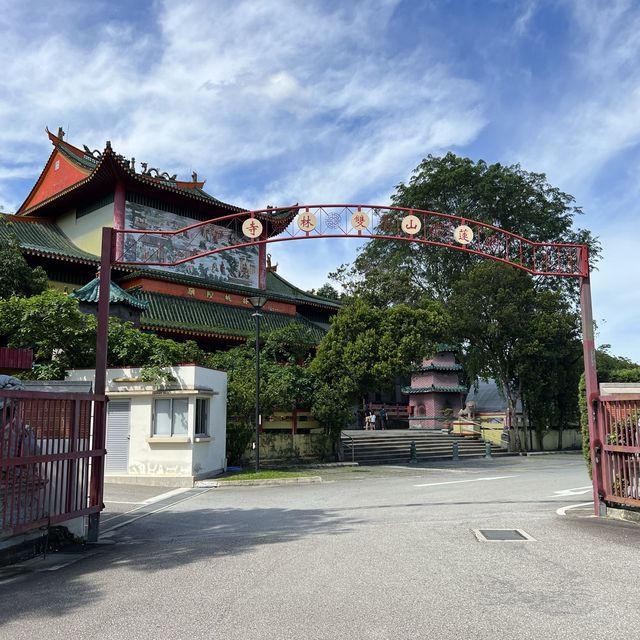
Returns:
<point x="236" y="266"/>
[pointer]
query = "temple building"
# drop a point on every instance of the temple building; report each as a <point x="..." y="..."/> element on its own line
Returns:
<point x="79" y="191"/>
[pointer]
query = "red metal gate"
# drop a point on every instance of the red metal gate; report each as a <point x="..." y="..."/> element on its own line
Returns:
<point x="51" y="458"/>
<point x="618" y="424"/>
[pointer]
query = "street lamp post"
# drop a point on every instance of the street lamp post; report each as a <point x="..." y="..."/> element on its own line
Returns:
<point x="257" y="302"/>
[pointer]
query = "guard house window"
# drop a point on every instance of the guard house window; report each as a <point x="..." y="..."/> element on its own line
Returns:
<point x="202" y="417"/>
<point x="170" y="417"/>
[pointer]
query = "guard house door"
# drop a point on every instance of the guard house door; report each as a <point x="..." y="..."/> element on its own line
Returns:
<point x="118" y="424"/>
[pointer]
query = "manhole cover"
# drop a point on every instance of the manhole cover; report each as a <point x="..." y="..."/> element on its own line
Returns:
<point x="502" y="535"/>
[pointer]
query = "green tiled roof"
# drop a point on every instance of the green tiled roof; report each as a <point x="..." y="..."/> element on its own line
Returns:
<point x="439" y="367"/>
<point x="277" y="288"/>
<point x="43" y="238"/>
<point x="447" y="347"/>
<point x="211" y="318"/>
<point x="278" y="284"/>
<point x="455" y="389"/>
<point x="91" y="292"/>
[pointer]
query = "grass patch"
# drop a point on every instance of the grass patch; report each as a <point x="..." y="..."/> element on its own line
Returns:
<point x="268" y="474"/>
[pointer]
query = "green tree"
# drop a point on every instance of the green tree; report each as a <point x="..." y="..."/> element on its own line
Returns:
<point x="367" y="348"/>
<point x="505" y="196"/>
<point x="50" y="323"/>
<point x="524" y="337"/>
<point x="16" y="277"/>
<point x="285" y="381"/>
<point x="63" y="338"/>
<point x="327" y="291"/>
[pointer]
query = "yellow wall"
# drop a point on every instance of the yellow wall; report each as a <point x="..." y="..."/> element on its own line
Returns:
<point x="281" y="420"/>
<point x="488" y="426"/>
<point x="86" y="232"/>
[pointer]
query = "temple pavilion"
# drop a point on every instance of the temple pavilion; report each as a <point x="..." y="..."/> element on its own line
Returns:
<point x="80" y="190"/>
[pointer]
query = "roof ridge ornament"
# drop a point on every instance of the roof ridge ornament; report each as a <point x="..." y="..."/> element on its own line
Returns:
<point x="153" y="170"/>
<point x="96" y="153"/>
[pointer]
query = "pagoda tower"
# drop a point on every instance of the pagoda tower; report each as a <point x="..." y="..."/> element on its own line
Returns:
<point x="436" y="394"/>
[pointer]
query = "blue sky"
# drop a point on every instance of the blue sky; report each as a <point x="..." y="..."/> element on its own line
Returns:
<point x="279" y="101"/>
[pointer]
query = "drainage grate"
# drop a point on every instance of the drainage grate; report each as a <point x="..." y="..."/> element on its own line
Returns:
<point x="502" y="535"/>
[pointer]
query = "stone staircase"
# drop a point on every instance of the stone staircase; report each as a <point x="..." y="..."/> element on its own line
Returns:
<point x="394" y="446"/>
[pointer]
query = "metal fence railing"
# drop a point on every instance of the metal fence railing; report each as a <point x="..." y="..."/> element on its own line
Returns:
<point x="619" y="430"/>
<point x="51" y="458"/>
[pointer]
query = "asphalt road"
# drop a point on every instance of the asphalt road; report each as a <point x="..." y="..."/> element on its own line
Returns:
<point x="369" y="553"/>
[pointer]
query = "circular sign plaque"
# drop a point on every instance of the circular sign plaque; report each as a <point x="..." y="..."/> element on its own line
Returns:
<point x="252" y="228"/>
<point x="359" y="220"/>
<point x="307" y="221"/>
<point x="463" y="234"/>
<point x="411" y="224"/>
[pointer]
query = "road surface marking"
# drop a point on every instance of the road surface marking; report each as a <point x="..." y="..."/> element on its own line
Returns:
<point x="578" y="491"/>
<point x="106" y="532"/>
<point x="162" y="496"/>
<point x="436" y="484"/>
<point x="562" y="511"/>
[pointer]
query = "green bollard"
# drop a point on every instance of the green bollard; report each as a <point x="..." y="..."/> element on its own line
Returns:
<point x="487" y="450"/>
<point x="455" y="452"/>
<point x="414" y="457"/>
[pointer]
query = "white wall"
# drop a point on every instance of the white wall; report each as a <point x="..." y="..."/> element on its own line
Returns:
<point x="186" y="457"/>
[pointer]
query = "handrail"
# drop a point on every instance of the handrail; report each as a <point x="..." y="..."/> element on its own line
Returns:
<point x="352" y="445"/>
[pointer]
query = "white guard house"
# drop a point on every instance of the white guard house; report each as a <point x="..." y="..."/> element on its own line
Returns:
<point x="166" y="434"/>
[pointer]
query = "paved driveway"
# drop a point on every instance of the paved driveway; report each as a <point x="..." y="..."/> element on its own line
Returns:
<point x="369" y="553"/>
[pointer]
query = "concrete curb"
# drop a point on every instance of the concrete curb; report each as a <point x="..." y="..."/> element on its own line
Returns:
<point x="258" y="483"/>
<point x="623" y="514"/>
<point x="552" y="453"/>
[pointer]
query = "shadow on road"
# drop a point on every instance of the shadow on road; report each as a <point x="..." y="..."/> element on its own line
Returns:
<point x="162" y="541"/>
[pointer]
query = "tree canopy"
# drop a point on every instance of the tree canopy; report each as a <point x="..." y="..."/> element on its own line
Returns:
<point x="366" y="347"/>
<point x="524" y="337"/>
<point x="508" y="197"/>
<point x="16" y="277"/>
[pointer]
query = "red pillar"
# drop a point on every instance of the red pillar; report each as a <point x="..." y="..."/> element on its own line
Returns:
<point x="262" y="265"/>
<point x="119" y="202"/>
<point x="100" y="414"/>
<point x="591" y="383"/>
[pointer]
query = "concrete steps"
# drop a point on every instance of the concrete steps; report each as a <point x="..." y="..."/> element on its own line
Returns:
<point x="394" y="447"/>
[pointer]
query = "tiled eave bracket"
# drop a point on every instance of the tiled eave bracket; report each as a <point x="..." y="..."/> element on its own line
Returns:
<point x="414" y="390"/>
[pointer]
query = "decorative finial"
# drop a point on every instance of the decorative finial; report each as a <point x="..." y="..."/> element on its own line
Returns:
<point x="108" y="144"/>
<point x="133" y="164"/>
<point x="61" y="133"/>
<point x="194" y="177"/>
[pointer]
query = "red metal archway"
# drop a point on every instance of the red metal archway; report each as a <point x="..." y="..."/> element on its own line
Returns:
<point x="304" y="222"/>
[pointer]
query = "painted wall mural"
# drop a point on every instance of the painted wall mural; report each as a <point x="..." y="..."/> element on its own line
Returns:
<point x="236" y="266"/>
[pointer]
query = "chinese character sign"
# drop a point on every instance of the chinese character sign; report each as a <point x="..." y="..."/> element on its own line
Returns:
<point x="360" y="221"/>
<point x="411" y="225"/>
<point x="307" y="221"/>
<point x="463" y="234"/>
<point x="252" y="228"/>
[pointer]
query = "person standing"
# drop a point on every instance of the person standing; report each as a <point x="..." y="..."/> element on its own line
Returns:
<point x="383" y="418"/>
<point x="372" y="419"/>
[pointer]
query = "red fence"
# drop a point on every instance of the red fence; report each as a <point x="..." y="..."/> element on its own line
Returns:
<point x="51" y="458"/>
<point x="15" y="359"/>
<point x="619" y="428"/>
